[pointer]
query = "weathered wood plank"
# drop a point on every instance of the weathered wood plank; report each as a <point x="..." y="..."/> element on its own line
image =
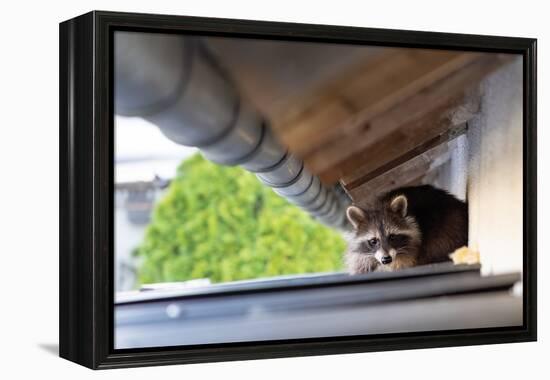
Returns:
<point x="408" y="172"/>
<point x="434" y="127"/>
<point x="365" y="92"/>
<point x="409" y="123"/>
<point x="357" y="180"/>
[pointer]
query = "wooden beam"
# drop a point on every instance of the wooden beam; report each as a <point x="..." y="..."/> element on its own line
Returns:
<point x="396" y="102"/>
<point x="367" y="91"/>
<point x="419" y="118"/>
<point x="408" y="172"/>
<point x="438" y="125"/>
<point x="432" y="144"/>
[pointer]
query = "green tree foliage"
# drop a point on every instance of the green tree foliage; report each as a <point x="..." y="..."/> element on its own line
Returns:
<point x="222" y="223"/>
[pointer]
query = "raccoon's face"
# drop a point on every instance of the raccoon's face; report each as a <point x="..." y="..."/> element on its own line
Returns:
<point x="385" y="232"/>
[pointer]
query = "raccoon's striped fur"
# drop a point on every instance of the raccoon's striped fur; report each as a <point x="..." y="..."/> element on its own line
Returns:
<point x="406" y="227"/>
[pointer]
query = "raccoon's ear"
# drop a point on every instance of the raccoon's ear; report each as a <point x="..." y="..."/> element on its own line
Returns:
<point x="355" y="216"/>
<point x="399" y="205"/>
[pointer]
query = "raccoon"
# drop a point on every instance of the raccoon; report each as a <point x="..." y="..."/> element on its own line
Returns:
<point x="406" y="227"/>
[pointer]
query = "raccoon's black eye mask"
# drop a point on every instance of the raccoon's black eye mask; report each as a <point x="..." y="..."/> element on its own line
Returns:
<point x="367" y="247"/>
<point x="398" y="240"/>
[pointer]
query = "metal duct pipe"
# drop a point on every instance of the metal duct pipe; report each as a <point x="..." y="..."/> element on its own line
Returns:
<point x="174" y="82"/>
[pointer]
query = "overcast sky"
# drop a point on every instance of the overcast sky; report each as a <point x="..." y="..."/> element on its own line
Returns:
<point x="141" y="151"/>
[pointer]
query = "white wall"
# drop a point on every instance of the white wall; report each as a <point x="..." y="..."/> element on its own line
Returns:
<point x="495" y="174"/>
<point x="485" y="167"/>
<point x="453" y="174"/>
<point x="29" y="167"/>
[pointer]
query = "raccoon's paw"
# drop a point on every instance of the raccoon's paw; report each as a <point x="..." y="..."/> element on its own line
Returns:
<point x="361" y="263"/>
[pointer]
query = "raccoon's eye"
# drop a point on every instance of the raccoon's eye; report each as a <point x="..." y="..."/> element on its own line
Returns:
<point x="373" y="242"/>
<point x="369" y="245"/>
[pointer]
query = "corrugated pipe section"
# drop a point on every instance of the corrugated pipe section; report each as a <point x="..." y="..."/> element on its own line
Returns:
<point x="176" y="83"/>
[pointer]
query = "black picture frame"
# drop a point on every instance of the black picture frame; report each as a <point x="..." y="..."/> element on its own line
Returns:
<point x="86" y="189"/>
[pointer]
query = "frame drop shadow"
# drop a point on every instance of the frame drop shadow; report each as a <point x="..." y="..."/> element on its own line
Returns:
<point x="51" y="348"/>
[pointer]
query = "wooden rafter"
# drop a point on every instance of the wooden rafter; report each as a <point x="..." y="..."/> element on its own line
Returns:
<point x="395" y="103"/>
<point x="410" y="169"/>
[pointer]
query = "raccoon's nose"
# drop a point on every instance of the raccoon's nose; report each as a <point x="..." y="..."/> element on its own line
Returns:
<point x="386" y="259"/>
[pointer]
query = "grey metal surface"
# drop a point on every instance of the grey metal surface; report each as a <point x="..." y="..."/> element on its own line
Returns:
<point x="220" y="305"/>
<point x="442" y="302"/>
<point x="495" y="309"/>
<point x="175" y="82"/>
<point x="299" y="281"/>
